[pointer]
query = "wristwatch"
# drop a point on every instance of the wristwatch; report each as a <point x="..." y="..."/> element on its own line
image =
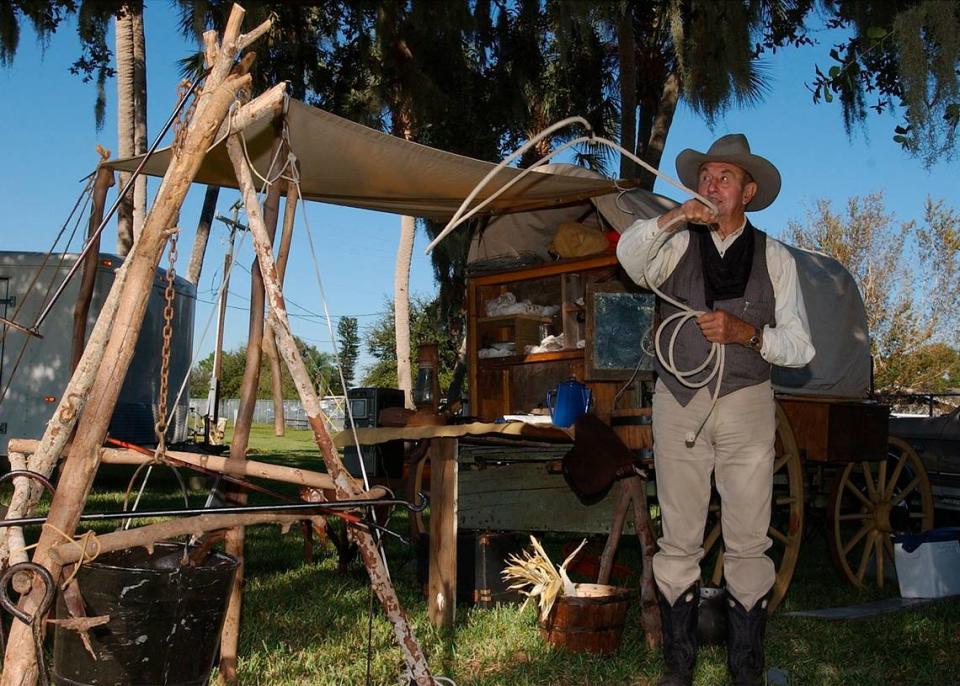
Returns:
<point x="756" y="340"/>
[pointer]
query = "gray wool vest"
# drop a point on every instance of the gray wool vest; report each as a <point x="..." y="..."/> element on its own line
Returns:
<point x="743" y="367"/>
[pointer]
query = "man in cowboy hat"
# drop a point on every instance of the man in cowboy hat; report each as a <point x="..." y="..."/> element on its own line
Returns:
<point x="716" y="262"/>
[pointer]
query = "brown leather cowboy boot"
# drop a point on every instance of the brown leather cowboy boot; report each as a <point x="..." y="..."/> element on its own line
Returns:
<point x="745" y="631"/>
<point x="679" y="623"/>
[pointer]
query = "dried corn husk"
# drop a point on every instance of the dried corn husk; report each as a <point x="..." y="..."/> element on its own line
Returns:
<point x="535" y="576"/>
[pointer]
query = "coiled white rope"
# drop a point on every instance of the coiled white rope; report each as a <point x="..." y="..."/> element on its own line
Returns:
<point x="717" y="353"/>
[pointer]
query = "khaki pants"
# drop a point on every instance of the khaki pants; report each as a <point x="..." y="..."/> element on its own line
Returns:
<point x="737" y="446"/>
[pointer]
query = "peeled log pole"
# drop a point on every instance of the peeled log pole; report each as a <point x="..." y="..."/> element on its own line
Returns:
<point x="269" y="340"/>
<point x="213" y="463"/>
<point x="219" y="92"/>
<point x="379" y="579"/>
<point x="234" y="542"/>
<point x="145" y="536"/>
<point x="649" y="611"/>
<point x="88" y="279"/>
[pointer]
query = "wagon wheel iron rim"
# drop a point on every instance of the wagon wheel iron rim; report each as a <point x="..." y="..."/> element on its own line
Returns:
<point x="786" y="520"/>
<point x="870" y="503"/>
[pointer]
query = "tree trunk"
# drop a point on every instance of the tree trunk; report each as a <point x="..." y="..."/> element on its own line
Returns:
<point x="230" y="639"/>
<point x="219" y="92"/>
<point x="660" y="127"/>
<point x="126" y="121"/>
<point x="102" y="182"/>
<point x="203" y="234"/>
<point x="379" y="578"/>
<point x="627" y="55"/>
<point x="139" y="51"/>
<point x="401" y="308"/>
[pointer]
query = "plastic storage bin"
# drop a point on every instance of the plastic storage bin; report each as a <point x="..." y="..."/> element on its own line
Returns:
<point x="928" y="564"/>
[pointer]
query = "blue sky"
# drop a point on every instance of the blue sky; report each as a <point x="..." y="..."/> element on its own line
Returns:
<point x="49" y="144"/>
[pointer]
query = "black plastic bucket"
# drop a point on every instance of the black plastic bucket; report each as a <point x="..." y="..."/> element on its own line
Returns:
<point x="165" y="620"/>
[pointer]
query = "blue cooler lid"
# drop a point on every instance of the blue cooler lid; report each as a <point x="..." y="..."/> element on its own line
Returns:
<point x="911" y="542"/>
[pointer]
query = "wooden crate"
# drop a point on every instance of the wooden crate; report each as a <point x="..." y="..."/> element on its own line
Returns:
<point x="837" y="430"/>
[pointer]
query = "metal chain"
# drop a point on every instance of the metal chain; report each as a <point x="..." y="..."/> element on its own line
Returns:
<point x="161" y="426"/>
<point x="181" y="124"/>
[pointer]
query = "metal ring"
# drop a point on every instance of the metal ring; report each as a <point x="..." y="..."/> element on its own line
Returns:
<point x="34" y="621"/>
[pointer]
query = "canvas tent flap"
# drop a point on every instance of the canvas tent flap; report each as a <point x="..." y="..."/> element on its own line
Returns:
<point x="838" y="326"/>
<point x="345" y="163"/>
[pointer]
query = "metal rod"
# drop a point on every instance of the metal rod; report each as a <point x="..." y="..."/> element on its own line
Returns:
<point x="283" y="507"/>
<point x="35" y="330"/>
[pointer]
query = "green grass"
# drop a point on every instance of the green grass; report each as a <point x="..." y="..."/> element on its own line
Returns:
<point x="308" y="624"/>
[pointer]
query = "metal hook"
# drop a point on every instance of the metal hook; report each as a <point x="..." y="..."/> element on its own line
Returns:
<point x="421" y="503"/>
<point x="34" y="621"/>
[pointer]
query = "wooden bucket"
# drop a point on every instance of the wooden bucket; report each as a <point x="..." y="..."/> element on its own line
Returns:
<point x="591" y="621"/>
<point x="633" y="426"/>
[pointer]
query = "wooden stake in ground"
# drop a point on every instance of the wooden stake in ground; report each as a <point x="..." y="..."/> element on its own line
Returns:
<point x="379" y="579"/>
<point x="218" y="94"/>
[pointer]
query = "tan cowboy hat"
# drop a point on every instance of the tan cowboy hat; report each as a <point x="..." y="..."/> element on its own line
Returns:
<point x="735" y="149"/>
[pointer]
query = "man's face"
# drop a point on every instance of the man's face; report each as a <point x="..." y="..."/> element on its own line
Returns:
<point x="727" y="186"/>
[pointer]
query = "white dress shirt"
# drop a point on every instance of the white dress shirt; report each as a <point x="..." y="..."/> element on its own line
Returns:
<point x="788" y="344"/>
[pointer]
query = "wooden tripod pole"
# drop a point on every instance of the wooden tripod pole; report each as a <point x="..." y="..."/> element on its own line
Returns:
<point x="88" y="279"/>
<point x="269" y="340"/>
<point x="379" y="579"/>
<point x="219" y="92"/>
<point x="230" y="638"/>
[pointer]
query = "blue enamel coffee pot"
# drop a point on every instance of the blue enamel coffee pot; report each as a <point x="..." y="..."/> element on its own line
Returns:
<point x="568" y="401"/>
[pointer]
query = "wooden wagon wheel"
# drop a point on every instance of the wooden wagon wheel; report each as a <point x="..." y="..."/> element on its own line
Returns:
<point x="872" y="501"/>
<point x="786" y="520"/>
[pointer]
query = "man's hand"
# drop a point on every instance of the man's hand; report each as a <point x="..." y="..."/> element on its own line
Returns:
<point x="723" y="327"/>
<point x="692" y="211"/>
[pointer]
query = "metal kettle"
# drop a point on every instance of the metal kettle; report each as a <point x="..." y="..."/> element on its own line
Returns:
<point x="568" y="401"/>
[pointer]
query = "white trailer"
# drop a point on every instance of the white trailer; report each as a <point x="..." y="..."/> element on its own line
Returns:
<point x="35" y="371"/>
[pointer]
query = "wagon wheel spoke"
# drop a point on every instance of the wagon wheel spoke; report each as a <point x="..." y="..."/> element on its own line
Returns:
<point x="856" y="539"/>
<point x="784" y="500"/>
<point x="780" y="462"/>
<point x="882" y="480"/>
<point x="861" y="516"/>
<point x="888" y="549"/>
<point x="778" y="535"/>
<point x="897" y="470"/>
<point x="868" y="480"/>
<point x="902" y="495"/>
<point x="865" y="557"/>
<point x="878" y="543"/>
<point x="856" y="491"/>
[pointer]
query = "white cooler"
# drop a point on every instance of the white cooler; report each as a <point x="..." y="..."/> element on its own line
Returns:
<point x="928" y="564"/>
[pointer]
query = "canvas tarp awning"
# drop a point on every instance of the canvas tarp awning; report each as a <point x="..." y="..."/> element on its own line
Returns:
<point x="345" y="163"/>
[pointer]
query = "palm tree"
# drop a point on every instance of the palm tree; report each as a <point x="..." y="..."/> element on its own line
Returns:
<point x="699" y="50"/>
<point x="131" y="116"/>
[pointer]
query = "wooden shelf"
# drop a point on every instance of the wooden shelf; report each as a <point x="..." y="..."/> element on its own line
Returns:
<point x="510" y="318"/>
<point x="572" y="354"/>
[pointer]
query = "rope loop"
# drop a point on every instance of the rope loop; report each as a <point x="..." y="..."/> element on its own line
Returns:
<point x="86" y="539"/>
